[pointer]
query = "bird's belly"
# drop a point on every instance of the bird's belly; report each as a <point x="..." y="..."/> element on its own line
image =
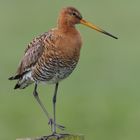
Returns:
<point x="59" y="75"/>
<point x="52" y="75"/>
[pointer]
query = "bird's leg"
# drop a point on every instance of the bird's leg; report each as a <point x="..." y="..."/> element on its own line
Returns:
<point x="54" y="111"/>
<point x="51" y="121"/>
<point x="42" y="106"/>
<point x="54" y="107"/>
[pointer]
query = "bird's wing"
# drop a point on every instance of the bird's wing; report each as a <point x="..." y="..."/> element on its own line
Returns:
<point x="32" y="53"/>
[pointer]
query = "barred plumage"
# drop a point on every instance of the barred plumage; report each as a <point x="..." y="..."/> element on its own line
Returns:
<point x="52" y="56"/>
<point x="46" y="60"/>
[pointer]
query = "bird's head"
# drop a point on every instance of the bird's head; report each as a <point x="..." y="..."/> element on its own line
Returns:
<point x="70" y="16"/>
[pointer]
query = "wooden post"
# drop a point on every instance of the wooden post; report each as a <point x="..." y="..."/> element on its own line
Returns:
<point x="59" y="137"/>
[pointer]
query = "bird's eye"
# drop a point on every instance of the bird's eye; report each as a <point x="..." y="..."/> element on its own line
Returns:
<point x="74" y="14"/>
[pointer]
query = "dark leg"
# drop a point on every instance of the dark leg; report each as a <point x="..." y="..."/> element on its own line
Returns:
<point x="51" y="121"/>
<point x="41" y="105"/>
<point x="54" y="107"/>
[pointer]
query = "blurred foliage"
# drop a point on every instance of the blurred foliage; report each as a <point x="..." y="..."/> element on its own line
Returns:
<point x="101" y="99"/>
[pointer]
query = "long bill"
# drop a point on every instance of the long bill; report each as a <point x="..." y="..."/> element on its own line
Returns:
<point x="86" y="23"/>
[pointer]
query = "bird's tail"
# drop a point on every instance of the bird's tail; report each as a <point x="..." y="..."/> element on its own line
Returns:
<point x="24" y="80"/>
<point x="22" y="83"/>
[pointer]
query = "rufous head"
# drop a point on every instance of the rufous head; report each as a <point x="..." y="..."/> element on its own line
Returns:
<point x="70" y="16"/>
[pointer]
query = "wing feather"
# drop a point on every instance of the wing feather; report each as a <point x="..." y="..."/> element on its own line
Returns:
<point x="32" y="53"/>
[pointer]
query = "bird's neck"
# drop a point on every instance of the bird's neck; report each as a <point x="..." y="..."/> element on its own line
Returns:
<point x="65" y="25"/>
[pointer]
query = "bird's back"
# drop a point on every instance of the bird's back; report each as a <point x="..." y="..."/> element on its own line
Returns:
<point x="32" y="53"/>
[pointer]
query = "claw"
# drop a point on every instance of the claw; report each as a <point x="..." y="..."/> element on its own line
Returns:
<point x="60" y="126"/>
<point x="51" y="122"/>
<point x="56" y="135"/>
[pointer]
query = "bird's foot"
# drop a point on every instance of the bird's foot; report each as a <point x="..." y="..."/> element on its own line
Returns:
<point x="56" y="135"/>
<point x="52" y="124"/>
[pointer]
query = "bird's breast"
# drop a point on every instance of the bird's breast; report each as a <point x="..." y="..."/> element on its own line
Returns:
<point x="59" y="61"/>
<point x="70" y="44"/>
<point x="55" y="71"/>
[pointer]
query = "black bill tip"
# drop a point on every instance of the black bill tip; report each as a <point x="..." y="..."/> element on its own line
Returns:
<point x="106" y="33"/>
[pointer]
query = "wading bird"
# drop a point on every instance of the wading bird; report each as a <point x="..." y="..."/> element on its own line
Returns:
<point x="52" y="57"/>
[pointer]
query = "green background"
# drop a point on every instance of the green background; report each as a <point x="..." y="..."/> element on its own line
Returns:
<point x="101" y="99"/>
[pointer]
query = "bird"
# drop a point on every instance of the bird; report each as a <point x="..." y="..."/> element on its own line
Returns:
<point x="52" y="56"/>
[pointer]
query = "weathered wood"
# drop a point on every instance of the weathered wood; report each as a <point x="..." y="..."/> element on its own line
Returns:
<point x="57" y="137"/>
